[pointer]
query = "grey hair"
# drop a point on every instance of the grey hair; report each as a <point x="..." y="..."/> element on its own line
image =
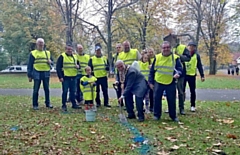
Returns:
<point x="166" y="42"/>
<point x="119" y="62"/>
<point x="40" y="39"/>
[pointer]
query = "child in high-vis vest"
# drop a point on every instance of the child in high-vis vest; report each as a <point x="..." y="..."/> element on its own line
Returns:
<point x="145" y="65"/>
<point x="88" y="88"/>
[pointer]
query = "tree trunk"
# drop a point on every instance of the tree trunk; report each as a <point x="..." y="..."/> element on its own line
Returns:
<point x="109" y="34"/>
<point x="213" y="62"/>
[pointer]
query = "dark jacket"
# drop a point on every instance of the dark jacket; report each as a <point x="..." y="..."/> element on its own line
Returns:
<point x="59" y="67"/>
<point x="178" y="68"/>
<point x="91" y="65"/>
<point x="134" y="83"/>
<point x="34" y="74"/>
<point x="185" y="57"/>
<point x="199" y="65"/>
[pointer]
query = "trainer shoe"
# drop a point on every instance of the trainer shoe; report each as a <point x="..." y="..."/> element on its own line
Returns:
<point x="192" y="109"/>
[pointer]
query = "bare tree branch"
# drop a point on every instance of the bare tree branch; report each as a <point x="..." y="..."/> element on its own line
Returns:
<point x="96" y="27"/>
<point x="124" y="6"/>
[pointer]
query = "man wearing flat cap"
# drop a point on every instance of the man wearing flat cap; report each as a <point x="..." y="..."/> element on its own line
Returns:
<point x="100" y="67"/>
<point x="191" y="72"/>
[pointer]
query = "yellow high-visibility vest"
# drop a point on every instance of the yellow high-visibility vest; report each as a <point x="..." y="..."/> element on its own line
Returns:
<point x="191" y="66"/>
<point x="83" y="60"/>
<point x="41" y="60"/>
<point x="144" y="68"/>
<point x="180" y="49"/>
<point x="99" y="66"/>
<point x="88" y="94"/>
<point x="69" y="65"/>
<point x="164" y="67"/>
<point x="128" y="57"/>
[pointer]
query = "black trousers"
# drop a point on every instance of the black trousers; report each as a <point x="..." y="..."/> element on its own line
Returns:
<point x="180" y="88"/>
<point x="103" y="82"/>
<point x="191" y="80"/>
<point x="171" y="99"/>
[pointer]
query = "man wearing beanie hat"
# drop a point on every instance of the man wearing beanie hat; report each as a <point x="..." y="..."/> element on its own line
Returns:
<point x="191" y="72"/>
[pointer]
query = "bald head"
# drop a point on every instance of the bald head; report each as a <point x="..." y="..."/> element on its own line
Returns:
<point x="79" y="48"/>
<point x="126" y="46"/>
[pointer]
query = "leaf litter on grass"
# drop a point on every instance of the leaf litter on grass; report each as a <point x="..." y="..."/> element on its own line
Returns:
<point x="50" y="132"/>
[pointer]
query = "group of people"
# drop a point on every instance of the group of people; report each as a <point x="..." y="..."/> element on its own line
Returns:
<point x="83" y="75"/>
<point x="231" y="70"/>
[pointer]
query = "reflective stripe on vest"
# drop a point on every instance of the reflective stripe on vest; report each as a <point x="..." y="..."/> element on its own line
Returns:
<point x="99" y="66"/>
<point x="86" y="90"/>
<point x="144" y="68"/>
<point x="69" y="65"/>
<point x="83" y="60"/>
<point x="191" y="66"/>
<point x="41" y="60"/>
<point x="164" y="69"/>
<point x="128" y="57"/>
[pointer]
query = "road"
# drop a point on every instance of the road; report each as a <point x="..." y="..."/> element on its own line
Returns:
<point x="202" y="94"/>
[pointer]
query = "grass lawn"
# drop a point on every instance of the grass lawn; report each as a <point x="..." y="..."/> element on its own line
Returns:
<point x="212" y="82"/>
<point x="213" y="128"/>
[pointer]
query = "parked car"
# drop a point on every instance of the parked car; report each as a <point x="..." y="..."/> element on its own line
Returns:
<point x="16" y="68"/>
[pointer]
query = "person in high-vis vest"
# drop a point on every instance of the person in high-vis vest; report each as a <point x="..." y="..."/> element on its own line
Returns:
<point x="115" y="57"/>
<point x="67" y="68"/>
<point x="151" y="55"/>
<point x="83" y="60"/>
<point x="191" y="72"/>
<point x="88" y="88"/>
<point x="100" y="67"/>
<point x="184" y="55"/>
<point x="38" y="69"/>
<point x="166" y="68"/>
<point x="129" y="55"/>
<point x="114" y="69"/>
<point x="145" y="65"/>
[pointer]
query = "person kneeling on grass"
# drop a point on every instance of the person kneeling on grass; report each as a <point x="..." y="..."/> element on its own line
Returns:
<point x="88" y="88"/>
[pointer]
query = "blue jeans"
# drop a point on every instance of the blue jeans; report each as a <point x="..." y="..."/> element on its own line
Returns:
<point x="79" y="95"/>
<point x="36" y="86"/>
<point x="68" y="83"/>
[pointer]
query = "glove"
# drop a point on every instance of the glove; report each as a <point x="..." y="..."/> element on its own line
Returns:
<point x="85" y="83"/>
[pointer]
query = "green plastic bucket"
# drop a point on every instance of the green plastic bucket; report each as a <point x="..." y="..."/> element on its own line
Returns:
<point x="90" y="115"/>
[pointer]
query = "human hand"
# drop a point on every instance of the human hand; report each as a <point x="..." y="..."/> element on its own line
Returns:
<point x="202" y="79"/>
<point x="151" y="86"/>
<point x="176" y="76"/>
<point x="77" y="66"/>
<point x="61" y="80"/>
<point x="149" y="66"/>
<point x="120" y="99"/>
<point x="49" y="62"/>
<point x="30" y="79"/>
